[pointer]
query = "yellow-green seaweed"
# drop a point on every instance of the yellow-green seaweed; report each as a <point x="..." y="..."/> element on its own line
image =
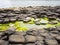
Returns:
<point x="21" y="26"/>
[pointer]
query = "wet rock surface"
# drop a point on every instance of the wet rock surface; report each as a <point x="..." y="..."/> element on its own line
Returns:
<point x="50" y="36"/>
<point x="14" y="14"/>
<point x="30" y="37"/>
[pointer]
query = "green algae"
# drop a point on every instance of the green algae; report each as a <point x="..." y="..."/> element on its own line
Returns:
<point x="21" y="26"/>
<point x="32" y="21"/>
<point x="58" y="24"/>
<point x="4" y="27"/>
<point x="16" y="24"/>
<point x="50" y="25"/>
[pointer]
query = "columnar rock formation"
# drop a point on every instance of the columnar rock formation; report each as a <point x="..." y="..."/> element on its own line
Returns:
<point x="34" y="36"/>
<point x="13" y="14"/>
<point x="49" y="36"/>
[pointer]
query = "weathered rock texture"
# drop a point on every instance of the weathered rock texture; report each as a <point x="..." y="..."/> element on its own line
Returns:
<point x="13" y="14"/>
<point x="50" y="36"/>
<point x="31" y="37"/>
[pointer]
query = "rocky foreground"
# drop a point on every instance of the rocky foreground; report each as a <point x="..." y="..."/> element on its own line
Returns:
<point x="34" y="36"/>
<point x="49" y="36"/>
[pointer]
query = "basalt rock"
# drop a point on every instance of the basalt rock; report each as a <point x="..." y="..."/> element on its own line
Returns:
<point x="30" y="37"/>
<point x="51" y="42"/>
<point x="51" y="12"/>
<point x="49" y="36"/>
<point x="2" y="42"/>
<point x="17" y="39"/>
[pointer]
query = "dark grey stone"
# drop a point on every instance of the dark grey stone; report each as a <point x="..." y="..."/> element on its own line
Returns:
<point x="2" y="42"/>
<point x="15" y="44"/>
<point x="17" y="39"/>
<point x="1" y="21"/>
<point x="32" y="32"/>
<point x="30" y="38"/>
<point x="6" y="20"/>
<point x="51" y="42"/>
<point x="12" y="19"/>
<point x="30" y="44"/>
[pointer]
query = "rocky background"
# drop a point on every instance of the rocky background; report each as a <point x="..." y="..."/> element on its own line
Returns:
<point x="49" y="36"/>
<point x="14" y="14"/>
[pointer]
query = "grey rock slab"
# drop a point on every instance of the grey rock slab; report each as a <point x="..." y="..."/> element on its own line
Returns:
<point x="44" y="34"/>
<point x="32" y="32"/>
<point x="39" y="43"/>
<point x="58" y="37"/>
<point x="53" y="35"/>
<point x="51" y="42"/>
<point x="55" y="32"/>
<point x="30" y="38"/>
<point x="2" y="42"/>
<point x="30" y="44"/>
<point x="40" y="38"/>
<point x="17" y="39"/>
<point x="15" y="44"/>
<point x="12" y="19"/>
<point x="37" y="23"/>
<point x="20" y="33"/>
<point x="6" y="20"/>
<point x="1" y="21"/>
<point x="58" y="28"/>
<point x="42" y="31"/>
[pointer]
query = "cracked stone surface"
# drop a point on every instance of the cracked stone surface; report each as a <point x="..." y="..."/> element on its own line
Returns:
<point x="50" y="36"/>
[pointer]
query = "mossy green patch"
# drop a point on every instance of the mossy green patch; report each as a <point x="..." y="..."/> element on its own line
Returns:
<point x="50" y="25"/>
<point x="32" y="21"/>
<point x="45" y="18"/>
<point x="3" y="27"/>
<point x="58" y="24"/>
<point x="21" y="26"/>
